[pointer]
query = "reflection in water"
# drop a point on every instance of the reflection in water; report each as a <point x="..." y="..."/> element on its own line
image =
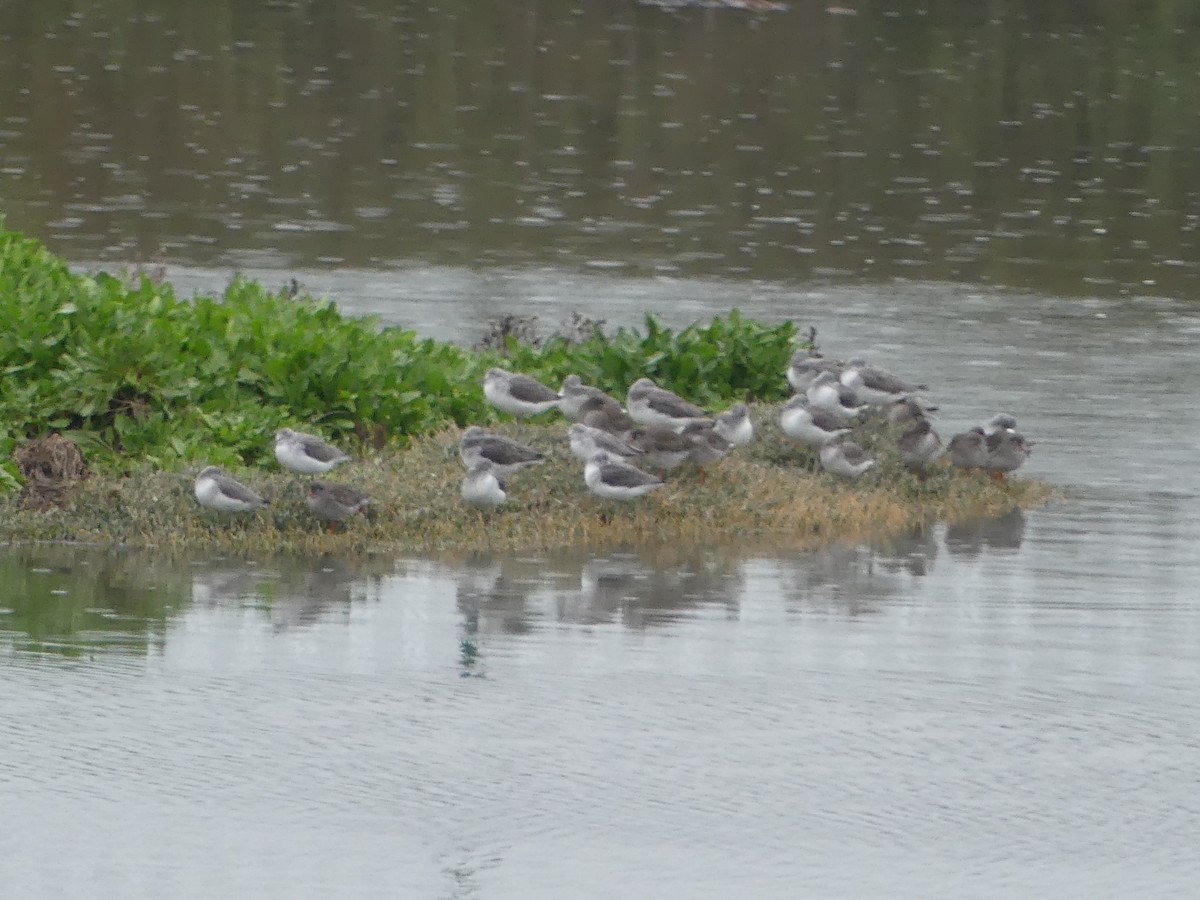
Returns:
<point x="727" y="723"/>
<point x="1004" y="532"/>
<point x="898" y="142"/>
<point x="68" y="600"/>
<point x="507" y="595"/>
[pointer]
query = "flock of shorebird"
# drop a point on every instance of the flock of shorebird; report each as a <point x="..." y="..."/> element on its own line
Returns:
<point x="305" y="454"/>
<point x="657" y="429"/>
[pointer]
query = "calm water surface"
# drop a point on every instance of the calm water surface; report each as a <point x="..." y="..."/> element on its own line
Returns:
<point x="1004" y="708"/>
<point x="1001" y="204"/>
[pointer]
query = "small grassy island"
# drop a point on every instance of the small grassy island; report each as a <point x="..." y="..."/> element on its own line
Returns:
<point x="152" y="388"/>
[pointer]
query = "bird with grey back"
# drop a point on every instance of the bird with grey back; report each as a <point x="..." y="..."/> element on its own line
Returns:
<point x="575" y="395"/>
<point x="612" y="479"/>
<point x="333" y="503"/>
<point x="1007" y="452"/>
<point x="651" y="405"/>
<point x="874" y="385"/>
<point x="812" y="427"/>
<point x="804" y="367"/>
<point x="507" y="455"/>
<point x="906" y="411"/>
<point x="516" y="394"/>
<point x="968" y="450"/>
<point x="920" y="445"/>
<point x="216" y="490"/>
<point x="662" y="448"/>
<point x="845" y="459"/>
<point x="306" y="454"/>
<point x="734" y="425"/>
<point x="482" y="486"/>
<point x="828" y="394"/>
<point x="607" y="415"/>
<point x="586" y="442"/>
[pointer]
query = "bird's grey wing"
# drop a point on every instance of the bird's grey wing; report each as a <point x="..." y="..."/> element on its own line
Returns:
<point x="505" y="452"/>
<point x="671" y="405"/>
<point x="318" y="449"/>
<point x="237" y="491"/>
<point x="854" y="454"/>
<point x="613" y="444"/>
<point x="826" y="421"/>
<point x="530" y="390"/>
<point x="347" y="496"/>
<point x="880" y="380"/>
<point x="626" y="476"/>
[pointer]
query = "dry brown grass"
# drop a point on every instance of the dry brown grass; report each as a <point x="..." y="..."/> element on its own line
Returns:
<point x="766" y="495"/>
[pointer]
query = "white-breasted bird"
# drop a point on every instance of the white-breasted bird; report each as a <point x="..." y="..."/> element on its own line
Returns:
<point x="587" y="441"/>
<point x="804" y="367"/>
<point x="612" y="479"/>
<point x="829" y="394"/>
<point x="482" y="486"/>
<point x="874" y="385"/>
<point x="516" y="394"/>
<point x="812" y="427"/>
<point x="218" y="491"/>
<point x="507" y="455"/>
<point x="575" y="394"/>
<point x="734" y="425"/>
<point x="306" y="454"/>
<point x="651" y="405"/>
<point x="845" y="459"/>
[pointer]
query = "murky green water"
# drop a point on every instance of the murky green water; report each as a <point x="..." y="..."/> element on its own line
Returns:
<point x="1040" y="145"/>
<point x="998" y="200"/>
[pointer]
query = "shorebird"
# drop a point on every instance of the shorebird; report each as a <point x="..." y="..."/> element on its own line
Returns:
<point x="334" y="502"/>
<point x="920" y="445"/>
<point x="804" y="367"/>
<point x="829" y="394"/>
<point x="517" y="395"/>
<point x="662" y="447"/>
<point x="907" y="411"/>
<point x="1007" y="450"/>
<point x="874" y="385"/>
<point x="606" y="414"/>
<point x="708" y="446"/>
<point x="968" y="450"/>
<point x="999" y="422"/>
<point x="735" y="426"/>
<point x="575" y="395"/>
<point x="845" y="458"/>
<point x="482" y="487"/>
<point x="651" y="405"/>
<point x="216" y="490"/>
<point x="613" y="480"/>
<point x="476" y="445"/>
<point x="587" y="441"/>
<point x="813" y="427"/>
<point x="306" y="454"/>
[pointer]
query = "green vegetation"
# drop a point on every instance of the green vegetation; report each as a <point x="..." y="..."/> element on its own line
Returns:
<point x="136" y="375"/>
<point x="152" y="386"/>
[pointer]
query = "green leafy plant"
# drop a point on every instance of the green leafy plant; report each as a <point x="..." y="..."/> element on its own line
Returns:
<point x="135" y="373"/>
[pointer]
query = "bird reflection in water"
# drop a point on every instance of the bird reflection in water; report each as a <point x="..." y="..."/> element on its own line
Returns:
<point x="1000" y="533"/>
